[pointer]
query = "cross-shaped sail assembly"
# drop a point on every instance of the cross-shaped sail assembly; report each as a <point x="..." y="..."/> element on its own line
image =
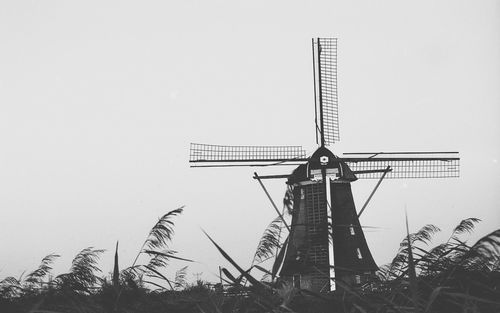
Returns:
<point x="326" y="242"/>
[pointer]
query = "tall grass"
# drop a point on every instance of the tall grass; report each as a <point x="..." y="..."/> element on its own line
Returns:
<point x="449" y="277"/>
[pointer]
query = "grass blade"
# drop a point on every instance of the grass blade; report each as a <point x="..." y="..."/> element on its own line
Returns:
<point x="245" y="274"/>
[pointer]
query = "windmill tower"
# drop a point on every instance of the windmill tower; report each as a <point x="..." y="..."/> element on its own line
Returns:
<point x="326" y="242"/>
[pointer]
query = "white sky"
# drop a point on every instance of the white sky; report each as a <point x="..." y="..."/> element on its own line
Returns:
<point x="99" y="101"/>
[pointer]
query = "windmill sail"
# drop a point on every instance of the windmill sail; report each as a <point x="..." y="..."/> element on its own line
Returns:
<point x="405" y="164"/>
<point x="325" y="90"/>
<point x="325" y="232"/>
<point x="204" y="153"/>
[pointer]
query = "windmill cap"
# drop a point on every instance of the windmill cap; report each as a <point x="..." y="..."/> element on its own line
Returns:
<point x="322" y="159"/>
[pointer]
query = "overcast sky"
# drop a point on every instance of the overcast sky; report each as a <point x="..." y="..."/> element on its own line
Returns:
<point x="99" y="101"/>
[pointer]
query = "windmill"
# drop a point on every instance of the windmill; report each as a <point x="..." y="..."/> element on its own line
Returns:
<point x="326" y="242"/>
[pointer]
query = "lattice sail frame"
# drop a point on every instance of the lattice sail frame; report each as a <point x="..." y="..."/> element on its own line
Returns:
<point x="203" y="153"/>
<point x="411" y="165"/>
<point x="325" y="90"/>
<point x="430" y="164"/>
<point x="405" y="168"/>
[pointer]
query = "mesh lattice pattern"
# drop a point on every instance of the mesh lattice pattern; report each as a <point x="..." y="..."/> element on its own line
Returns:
<point x="401" y="168"/>
<point x="215" y="153"/>
<point x="316" y="210"/>
<point x="327" y="71"/>
<point x="317" y="224"/>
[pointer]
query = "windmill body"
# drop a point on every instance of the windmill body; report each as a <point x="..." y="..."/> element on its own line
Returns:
<point x="325" y="229"/>
<point x="326" y="242"/>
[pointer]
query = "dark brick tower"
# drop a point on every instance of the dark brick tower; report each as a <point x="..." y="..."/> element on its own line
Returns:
<point x="309" y="254"/>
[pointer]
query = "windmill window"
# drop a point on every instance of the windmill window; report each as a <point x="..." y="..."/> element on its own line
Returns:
<point x="358" y="252"/>
<point x="296" y="281"/>
<point x="357" y="279"/>
<point x="351" y="230"/>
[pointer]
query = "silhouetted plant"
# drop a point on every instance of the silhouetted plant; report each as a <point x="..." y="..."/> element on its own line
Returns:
<point x="269" y="242"/>
<point x="10" y="287"/>
<point x="36" y="278"/>
<point x="82" y="276"/>
<point x="450" y="277"/>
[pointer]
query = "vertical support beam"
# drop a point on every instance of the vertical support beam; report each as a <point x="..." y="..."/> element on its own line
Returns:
<point x="329" y="213"/>
<point x="315" y="94"/>
<point x="320" y="95"/>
